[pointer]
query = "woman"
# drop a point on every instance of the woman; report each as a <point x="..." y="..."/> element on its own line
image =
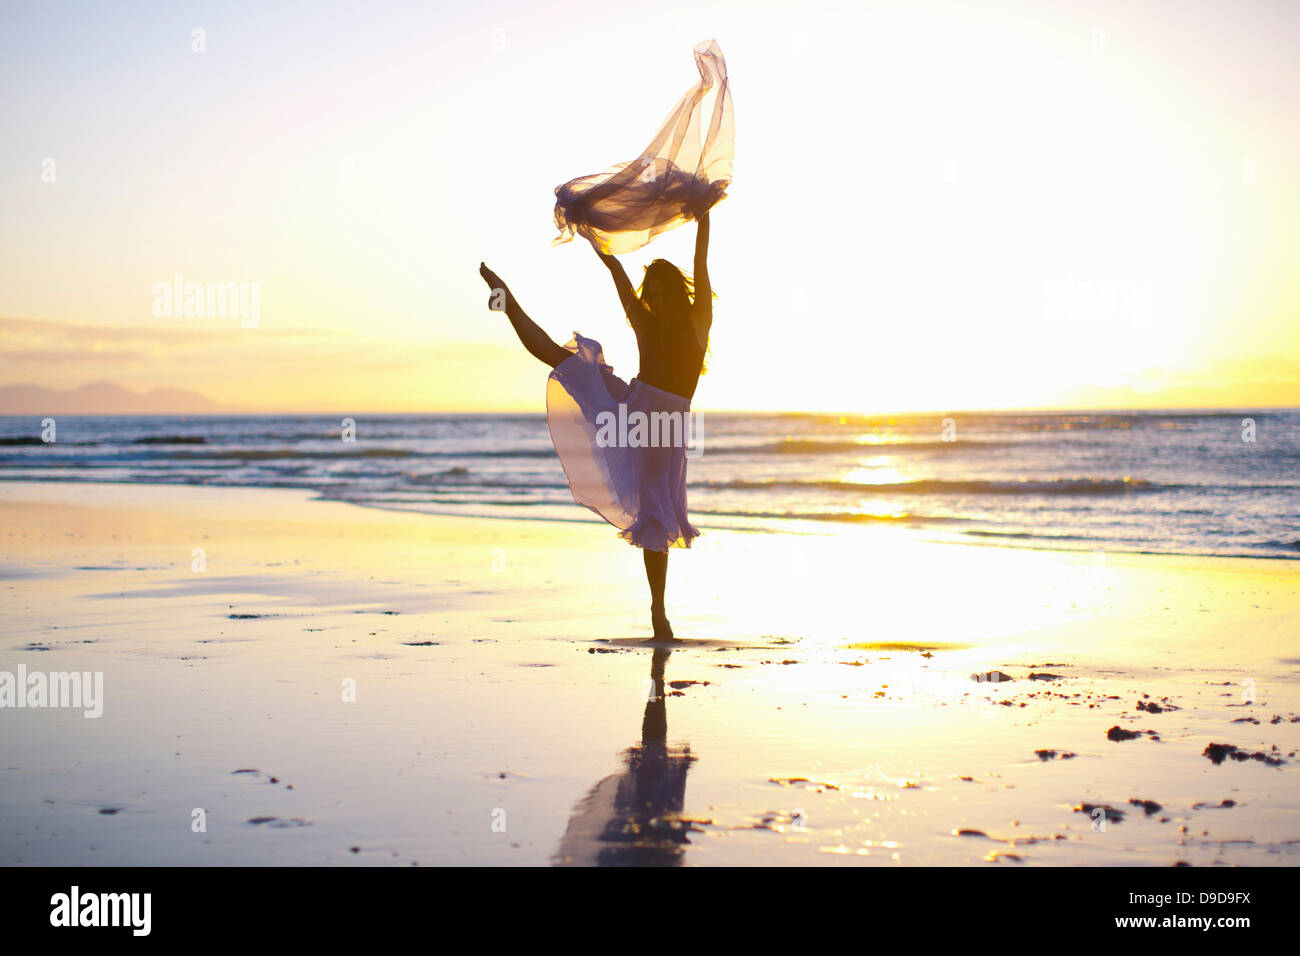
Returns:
<point x="641" y="490"/>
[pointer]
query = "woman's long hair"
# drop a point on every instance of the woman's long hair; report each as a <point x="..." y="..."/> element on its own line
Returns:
<point x="679" y="293"/>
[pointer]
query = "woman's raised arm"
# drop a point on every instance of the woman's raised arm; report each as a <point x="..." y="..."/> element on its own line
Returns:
<point x="703" y="291"/>
<point x="703" y="312"/>
<point x="626" y="294"/>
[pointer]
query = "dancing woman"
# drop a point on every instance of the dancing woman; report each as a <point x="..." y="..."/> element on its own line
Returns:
<point x="638" y="488"/>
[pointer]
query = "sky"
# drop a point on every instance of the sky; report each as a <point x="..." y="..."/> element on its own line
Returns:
<point x="936" y="205"/>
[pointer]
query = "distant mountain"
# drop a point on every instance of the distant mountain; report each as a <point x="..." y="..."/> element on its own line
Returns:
<point x="103" y="398"/>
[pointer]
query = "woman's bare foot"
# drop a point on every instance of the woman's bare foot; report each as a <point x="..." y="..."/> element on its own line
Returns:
<point x="663" y="630"/>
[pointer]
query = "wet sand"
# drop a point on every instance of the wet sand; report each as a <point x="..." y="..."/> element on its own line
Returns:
<point x="863" y="696"/>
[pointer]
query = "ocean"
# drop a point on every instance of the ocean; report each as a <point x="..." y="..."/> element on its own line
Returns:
<point x="1185" y="482"/>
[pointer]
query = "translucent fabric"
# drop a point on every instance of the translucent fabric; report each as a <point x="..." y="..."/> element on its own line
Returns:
<point x="675" y="178"/>
<point x="639" y="490"/>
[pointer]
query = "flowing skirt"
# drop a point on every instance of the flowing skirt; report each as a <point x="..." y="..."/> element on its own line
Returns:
<point x="628" y="476"/>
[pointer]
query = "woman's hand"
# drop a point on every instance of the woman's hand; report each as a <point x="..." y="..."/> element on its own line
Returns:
<point x="500" y="296"/>
<point x="605" y="257"/>
<point x="715" y="194"/>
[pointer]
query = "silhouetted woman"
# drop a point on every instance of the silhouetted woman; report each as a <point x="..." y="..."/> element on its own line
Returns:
<point x="636" y="483"/>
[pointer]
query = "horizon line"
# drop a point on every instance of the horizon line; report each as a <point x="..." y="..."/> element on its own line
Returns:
<point x="1008" y="410"/>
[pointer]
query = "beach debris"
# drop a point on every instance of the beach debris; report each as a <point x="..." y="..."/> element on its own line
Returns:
<point x="275" y="823"/>
<point x="1043" y="675"/>
<point x="1052" y="755"/>
<point x="776" y="821"/>
<point x="421" y="643"/>
<point x="246" y="617"/>
<point x="1222" y="805"/>
<point x="991" y="677"/>
<point x="1217" y="753"/>
<point x="1112" y="815"/>
<point x="1148" y="806"/>
<point x="259" y="773"/>
<point x="804" y="783"/>
<point x="995" y="855"/>
<point x="1151" y="707"/>
<point x="1118" y="733"/>
<point x="683" y="684"/>
<point x="502" y="775"/>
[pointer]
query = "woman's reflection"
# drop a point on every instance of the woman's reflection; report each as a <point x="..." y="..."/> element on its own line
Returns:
<point x="633" y="817"/>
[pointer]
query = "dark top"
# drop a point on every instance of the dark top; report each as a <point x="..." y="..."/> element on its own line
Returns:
<point x="671" y="355"/>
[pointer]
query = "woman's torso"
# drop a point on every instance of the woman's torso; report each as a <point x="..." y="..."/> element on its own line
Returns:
<point x="671" y="355"/>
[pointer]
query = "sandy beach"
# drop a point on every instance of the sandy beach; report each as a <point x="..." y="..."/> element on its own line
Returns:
<point x="332" y="684"/>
